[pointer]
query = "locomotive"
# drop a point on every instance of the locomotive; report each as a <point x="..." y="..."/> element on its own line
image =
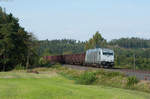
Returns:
<point x="99" y="57"/>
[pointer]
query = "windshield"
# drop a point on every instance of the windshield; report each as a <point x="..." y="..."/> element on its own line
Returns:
<point x="107" y="53"/>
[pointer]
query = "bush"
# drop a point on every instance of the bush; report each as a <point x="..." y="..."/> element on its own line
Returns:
<point x="131" y="81"/>
<point x="44" y="63"/>
<point x="87" y="78"/>
<point x="19" y="67"/>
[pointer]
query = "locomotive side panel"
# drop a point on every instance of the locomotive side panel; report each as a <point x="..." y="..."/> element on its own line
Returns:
<point x="93" y="56"/>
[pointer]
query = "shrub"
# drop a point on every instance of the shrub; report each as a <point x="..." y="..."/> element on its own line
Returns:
<point x="19" y="67"/>
<point x="44" y="63"/>
<point x="131" y="81"/>
<point x="87" y="78"/>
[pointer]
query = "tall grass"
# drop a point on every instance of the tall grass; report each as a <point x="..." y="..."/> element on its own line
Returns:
<point x="87" y="78"/>
<point x="131" y="81"/>
<point x="102" y="77"/>
<point x="20" y="67"/>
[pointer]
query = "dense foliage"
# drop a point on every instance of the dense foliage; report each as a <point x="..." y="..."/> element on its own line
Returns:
<point x="132" y="51"/>
<point x="97" y="41"/>
<point x="131" y="43"/>
<point x="129" y="57"/>
<point x="15" y="42"/>
<point x="57" y="47"/>
<point x="128" y="51"/>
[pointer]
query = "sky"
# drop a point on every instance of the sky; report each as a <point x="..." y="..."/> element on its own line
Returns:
<point x="80" y="19"/>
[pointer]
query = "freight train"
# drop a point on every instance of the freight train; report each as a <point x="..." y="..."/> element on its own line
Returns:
<point x="98" y="57"/>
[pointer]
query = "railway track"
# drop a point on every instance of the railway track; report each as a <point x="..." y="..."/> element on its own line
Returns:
<point x="140" y="74"/>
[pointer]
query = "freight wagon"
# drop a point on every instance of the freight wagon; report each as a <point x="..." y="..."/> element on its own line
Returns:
<point x="95" y="57"/>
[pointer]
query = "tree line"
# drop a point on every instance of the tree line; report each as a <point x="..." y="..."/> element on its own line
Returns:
<point x="15" y="42"/>
<point x="59" y="47"/>
<point x="125" y="49"/>
<point x="131" y="43"/>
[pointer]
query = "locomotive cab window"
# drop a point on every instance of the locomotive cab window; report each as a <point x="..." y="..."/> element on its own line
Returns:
<point x="107" y="53"/>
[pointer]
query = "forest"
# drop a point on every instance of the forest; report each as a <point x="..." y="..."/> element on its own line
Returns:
<point x="58" y="47"/>
<point x="133" y="42"/>
<point x="15" y="43"/>
<point x="20" y="48"/>
<point x="127" y="50"/>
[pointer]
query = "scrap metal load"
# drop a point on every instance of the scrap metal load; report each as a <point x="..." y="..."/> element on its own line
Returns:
<point x="95" y="57"/>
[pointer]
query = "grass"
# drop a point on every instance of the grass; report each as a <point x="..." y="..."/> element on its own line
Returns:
<point x="105" y="78"/>
<point x="50" y="85"/>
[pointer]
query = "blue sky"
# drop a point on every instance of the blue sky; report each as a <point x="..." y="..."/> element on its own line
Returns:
<point x="80" y="19"/>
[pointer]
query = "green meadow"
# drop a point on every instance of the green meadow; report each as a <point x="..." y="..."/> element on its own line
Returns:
<point x="50" y="85"/>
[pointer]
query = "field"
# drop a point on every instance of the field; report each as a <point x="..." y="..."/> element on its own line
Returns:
<point x="50" y="85"/>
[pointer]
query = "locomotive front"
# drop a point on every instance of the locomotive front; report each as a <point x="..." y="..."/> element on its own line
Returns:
<point x="107" y="57"/>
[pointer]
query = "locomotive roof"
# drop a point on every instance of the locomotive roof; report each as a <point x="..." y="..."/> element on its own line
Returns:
<point x="98" y="49"/>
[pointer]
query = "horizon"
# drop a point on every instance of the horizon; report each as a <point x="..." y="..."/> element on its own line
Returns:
<point x="79" y="20"/>
<point x="91" y="37"/>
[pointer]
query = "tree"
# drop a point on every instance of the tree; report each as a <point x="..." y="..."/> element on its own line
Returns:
<point x="131" y="43"/>
<point x="14" y="42"/>
<point x="59" y="47"/>
<point x="96" y="42"/>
